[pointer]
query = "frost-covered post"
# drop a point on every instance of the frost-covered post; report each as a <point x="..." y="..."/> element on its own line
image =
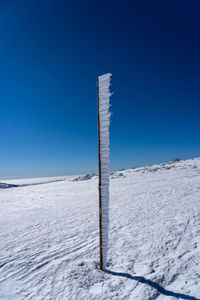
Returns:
<point x="103" y="116"/>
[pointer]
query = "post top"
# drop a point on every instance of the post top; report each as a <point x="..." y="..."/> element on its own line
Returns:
<point x="105" y="76"/>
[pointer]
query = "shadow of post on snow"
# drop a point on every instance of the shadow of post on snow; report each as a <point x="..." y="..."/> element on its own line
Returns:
<point x="153" y="285"/>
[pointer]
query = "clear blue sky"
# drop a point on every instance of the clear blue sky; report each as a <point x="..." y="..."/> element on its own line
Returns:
<point x="50" y="55"/>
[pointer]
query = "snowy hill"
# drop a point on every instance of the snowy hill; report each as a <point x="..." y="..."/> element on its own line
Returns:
<point x="49" y="237"/>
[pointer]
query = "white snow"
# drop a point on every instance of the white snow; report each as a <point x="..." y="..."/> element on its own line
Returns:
<point x="35" y="180"/>
<point x="104" y="120"/>
<point x="49" y="239"/>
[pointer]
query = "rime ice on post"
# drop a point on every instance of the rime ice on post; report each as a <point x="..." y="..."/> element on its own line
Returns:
<point x="103" y="114"/>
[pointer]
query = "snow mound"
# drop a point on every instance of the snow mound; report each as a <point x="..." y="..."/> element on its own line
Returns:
<point x="83" y="177"/>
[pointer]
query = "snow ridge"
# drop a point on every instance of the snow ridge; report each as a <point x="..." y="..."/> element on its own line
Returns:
<point x="104" y="119"/>
<point x="6" y="185"/>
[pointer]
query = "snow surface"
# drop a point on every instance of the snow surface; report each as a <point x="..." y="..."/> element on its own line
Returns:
<point x="37" y="180"/>
<point x="49" y="237"/>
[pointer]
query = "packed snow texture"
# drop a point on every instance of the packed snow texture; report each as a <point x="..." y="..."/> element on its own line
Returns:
<point x="49" y="237"/>
<point x="104" y="120"/>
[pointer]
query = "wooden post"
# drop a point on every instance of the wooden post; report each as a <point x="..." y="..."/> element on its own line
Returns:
<point x="99" y="158"/>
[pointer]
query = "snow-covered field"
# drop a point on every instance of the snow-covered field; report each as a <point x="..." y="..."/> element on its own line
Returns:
<point x="49" y="237"/>
<point x="39" y="180"/>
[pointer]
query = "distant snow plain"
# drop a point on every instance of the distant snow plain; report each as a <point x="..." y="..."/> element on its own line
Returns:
<point x="49" y="237"/>
<point x="37" y="180"/>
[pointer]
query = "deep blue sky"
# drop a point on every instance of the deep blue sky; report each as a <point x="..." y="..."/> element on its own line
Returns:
<point x="50" y="55"/>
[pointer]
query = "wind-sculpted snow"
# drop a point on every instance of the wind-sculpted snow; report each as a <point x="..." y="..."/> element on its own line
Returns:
<point x="49" y="238"/>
